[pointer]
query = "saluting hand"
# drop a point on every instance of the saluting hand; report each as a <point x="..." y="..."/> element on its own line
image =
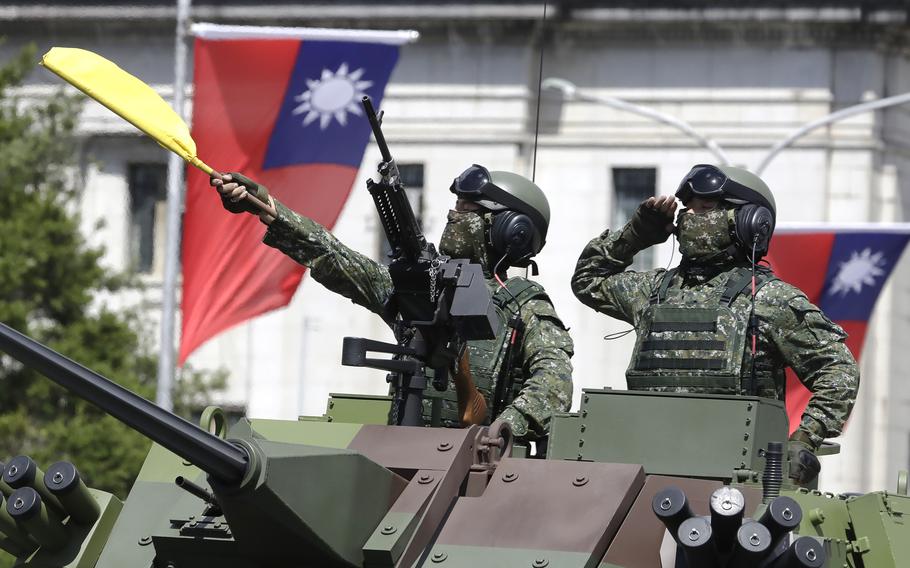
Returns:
<point x="665" y="204"/>
<point x="653" y="220"/>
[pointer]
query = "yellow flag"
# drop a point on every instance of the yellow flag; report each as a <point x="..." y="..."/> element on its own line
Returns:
<point x="127" y="96"/>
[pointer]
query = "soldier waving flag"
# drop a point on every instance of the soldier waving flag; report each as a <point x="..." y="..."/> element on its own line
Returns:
<point x="282" y="105"/>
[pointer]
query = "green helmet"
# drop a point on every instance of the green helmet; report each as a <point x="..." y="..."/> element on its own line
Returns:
<point x="756" y="211"/>
<point x="730" y="183"/>
<point x="521" y="210"/>
<point x="761" y="193"/>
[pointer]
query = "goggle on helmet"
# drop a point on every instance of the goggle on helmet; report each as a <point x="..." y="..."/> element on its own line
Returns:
<point x="710" y="182"/>
<point x="476" y="184"/>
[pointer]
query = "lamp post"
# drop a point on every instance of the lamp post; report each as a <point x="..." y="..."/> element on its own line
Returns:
<point x="570" y="92"/>
<point x="175" y="170"/>
<point x="828" y="119"/>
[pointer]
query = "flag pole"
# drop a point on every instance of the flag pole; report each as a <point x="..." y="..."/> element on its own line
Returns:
<point x="175" y="172"/>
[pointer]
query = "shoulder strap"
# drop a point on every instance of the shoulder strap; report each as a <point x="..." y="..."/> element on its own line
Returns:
<point x="520" y="287"/>
<point x="659" y="293"/>
<point x="741" y="280"/>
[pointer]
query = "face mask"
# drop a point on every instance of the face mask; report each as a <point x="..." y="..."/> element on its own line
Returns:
<point x="463" y="237"/>
<point x="703" y="236"/>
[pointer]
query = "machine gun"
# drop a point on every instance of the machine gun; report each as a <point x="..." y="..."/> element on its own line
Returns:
<point x="436" y="305"/>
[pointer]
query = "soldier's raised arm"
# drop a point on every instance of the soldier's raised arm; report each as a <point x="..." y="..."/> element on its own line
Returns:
<point x="601" y="280"/>
<point x="331" y="263"/>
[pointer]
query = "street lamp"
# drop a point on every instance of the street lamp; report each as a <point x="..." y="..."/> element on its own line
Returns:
<point x="828" y="119"/>
<point x="570" y="92"/>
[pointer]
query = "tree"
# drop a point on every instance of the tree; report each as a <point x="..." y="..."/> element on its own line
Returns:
<point x="50" y="282"/>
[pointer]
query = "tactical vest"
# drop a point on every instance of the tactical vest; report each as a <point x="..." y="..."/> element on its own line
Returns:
<point x="689" y="344"/>
<point x="487" y="358"/>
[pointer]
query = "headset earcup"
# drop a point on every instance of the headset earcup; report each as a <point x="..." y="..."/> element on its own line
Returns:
<point x="754" y="224"/>
<point x="514" y="232"/>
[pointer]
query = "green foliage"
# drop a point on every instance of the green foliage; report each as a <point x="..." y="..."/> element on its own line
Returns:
<point x="52" y="288"/>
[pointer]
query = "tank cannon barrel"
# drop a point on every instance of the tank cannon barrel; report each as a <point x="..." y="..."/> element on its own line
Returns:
<point x="219" y="458"/>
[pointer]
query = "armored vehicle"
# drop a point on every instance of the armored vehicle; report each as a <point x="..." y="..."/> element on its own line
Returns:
<point x="700" y="486"/>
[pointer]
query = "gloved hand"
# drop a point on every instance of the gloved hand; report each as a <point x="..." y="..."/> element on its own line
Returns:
<point x="516" y="420"/>
<point x="804" y="466"/>
<point x="232" y="188"/>
<point x="652" y="222"/>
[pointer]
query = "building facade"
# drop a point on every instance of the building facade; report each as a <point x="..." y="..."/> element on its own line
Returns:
<point x="743" y="73"/>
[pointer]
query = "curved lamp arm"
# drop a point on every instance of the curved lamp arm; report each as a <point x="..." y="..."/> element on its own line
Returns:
<point x="570" y="92"/>
<point x="828" y="119"/>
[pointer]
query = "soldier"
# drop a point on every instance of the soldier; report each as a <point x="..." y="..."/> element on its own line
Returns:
<point x="500" y="220"/>
<point x="704" y="326"/>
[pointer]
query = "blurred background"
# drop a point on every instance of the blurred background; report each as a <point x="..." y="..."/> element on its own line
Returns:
<point x="743" y="74"/>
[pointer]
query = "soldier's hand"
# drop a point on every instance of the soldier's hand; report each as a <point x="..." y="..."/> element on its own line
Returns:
<point x="653" y="220"/>
<point x="234" y="189"/>
<point x="804" y="466"/>
<point x="665" y="205"/>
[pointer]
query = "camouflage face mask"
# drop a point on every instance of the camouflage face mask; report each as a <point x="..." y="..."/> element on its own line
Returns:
<point x="703" y="236"/>
<point x="463" y="237"/>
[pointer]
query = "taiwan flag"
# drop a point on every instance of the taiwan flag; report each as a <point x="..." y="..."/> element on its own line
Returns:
<point x="281" y="106"/>
<point x="842" y="269"/>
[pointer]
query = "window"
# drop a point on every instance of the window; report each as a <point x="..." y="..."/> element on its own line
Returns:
<point x="412" y="179"/>
<point x="631" y="186"/>
<point x="148" y="198"/>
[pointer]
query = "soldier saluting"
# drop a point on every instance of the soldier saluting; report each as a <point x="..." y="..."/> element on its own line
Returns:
<point x="705" y="326"/>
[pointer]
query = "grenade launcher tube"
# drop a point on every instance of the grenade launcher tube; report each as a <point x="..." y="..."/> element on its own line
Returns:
<point x="219" y="458"/>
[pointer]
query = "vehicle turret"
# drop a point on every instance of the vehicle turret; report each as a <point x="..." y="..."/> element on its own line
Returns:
<point x="632" y="479"/>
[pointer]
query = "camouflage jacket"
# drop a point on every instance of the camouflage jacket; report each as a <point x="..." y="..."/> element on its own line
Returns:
<point x="546" y="348"/>
<point x="792" y="332"/>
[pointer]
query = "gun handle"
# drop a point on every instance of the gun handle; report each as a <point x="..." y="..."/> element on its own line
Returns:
<point x="472" y="406"/>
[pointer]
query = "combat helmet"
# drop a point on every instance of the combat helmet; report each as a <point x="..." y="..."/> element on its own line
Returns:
<point x="521" y="212"/>
<point x="755" y="213"/>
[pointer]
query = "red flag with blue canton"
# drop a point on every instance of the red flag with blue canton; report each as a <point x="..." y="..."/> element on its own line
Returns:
<point x="842" y="269"/>
<point x="283" y="109"/>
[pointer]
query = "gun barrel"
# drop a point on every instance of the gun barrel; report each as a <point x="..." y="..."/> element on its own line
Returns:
<point x="219" y="458"/>
<point x="377" y="130"/>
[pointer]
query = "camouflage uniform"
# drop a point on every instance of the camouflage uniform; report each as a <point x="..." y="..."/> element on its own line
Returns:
<point x="792" y="331"/>
<point x="545" y="352"/>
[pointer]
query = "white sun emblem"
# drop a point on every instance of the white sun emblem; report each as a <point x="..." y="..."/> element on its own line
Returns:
<point x="859" y="271"/>
<point x="332" y="95"/>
